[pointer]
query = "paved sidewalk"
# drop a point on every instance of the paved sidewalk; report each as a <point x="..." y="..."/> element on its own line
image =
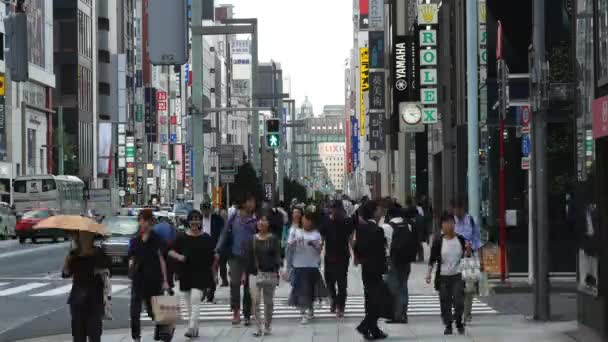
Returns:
<point x="484" y="329"/>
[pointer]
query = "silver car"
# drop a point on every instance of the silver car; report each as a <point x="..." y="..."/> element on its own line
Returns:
<point x="122" y="229"/>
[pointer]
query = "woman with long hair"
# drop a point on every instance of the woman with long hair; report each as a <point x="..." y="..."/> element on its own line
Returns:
<point x="195" y="253"/>
<point x="306" y="260"/>
<point x="264" y="256"/>
<point x="87" y="265"/>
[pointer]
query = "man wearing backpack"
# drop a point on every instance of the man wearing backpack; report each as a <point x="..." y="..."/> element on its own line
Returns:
<point x="403" y="249"/>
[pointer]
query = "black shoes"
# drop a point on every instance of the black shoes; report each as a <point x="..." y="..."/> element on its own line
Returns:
<point x="371" y="334"/>
<point x="460" y="328"/>
<point x="448" y="330"/>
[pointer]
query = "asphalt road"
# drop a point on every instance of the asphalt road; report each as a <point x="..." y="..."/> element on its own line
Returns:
<point x="33" y="296"/>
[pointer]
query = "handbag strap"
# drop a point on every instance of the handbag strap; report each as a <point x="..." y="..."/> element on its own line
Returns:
<point x="255" y="254"/>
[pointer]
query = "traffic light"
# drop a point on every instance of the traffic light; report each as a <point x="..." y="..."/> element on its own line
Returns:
<point x="273" y="133"/>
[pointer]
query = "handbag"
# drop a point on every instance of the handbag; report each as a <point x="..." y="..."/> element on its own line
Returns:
<point x="264" y="279"/>
<point x="165" y="309"/>
<point x="471" y="268"/>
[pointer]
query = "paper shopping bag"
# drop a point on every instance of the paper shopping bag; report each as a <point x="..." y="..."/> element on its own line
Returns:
<point x="165" y="309"/>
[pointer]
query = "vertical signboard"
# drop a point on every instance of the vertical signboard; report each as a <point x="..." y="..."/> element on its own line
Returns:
<point x="363" y="86"/>
<point x="3" y="140"/>
<point x="150" y="114"/>
<point x="363" y="14"/>
<point x="376" y="14"/>
<point x="427" y="19"/>
<point x="600" y="117"/>
<point x="376" y="49"/>
<point x="376" y="90"/>
<point x="355" y="142"/>
<point x="377" y="136"/>
<point x="406" y="82"/>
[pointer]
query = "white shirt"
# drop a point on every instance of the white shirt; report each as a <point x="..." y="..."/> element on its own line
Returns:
<point x="206" y="225"/>
<point x="305" y="255"/>
<point x="388" y="236"/>
<point x="451" y="255"/>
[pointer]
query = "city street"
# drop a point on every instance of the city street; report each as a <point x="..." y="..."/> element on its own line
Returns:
<point x="33" y="307"/>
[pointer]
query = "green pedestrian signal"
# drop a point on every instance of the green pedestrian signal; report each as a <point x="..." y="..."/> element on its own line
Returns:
<point x="273" y="140"/>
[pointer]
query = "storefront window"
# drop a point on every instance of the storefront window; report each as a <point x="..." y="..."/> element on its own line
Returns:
<point x="602" y="21"/>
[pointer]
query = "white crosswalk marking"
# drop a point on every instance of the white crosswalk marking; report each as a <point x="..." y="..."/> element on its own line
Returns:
<point x="419" y="305"/>
<point x="21" y="288"/>
<point x="53" y="289"/>
<point x="54" y="292"/>
<point x="118" y="287"/>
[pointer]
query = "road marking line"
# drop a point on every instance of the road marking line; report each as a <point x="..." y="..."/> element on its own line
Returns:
<point x="2" y="284"/>
<point x="54" y="292"/>
<point x="118" y="287"/>
<point x="33" y="250"/>
<point x="21" y="288"/>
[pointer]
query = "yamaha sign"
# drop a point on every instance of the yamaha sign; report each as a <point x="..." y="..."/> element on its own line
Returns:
<point x="404" y="67"/>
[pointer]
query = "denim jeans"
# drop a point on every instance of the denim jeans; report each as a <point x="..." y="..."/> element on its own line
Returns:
<point x="397" y="280"/>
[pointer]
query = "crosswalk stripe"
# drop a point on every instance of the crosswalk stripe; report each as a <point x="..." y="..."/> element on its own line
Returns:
<point x="21" y="288"/>
<point x="54" y="292"/>
<point x="419" y="305"/>
<point x="118" y="287"/>
<point x="2" y="284"/>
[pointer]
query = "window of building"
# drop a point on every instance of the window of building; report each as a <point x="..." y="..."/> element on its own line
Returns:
<point x="84" y="35"/>
<point x="602" y="22"/>
<point x="104" y="88"/>
<point x="103" y="56"/>
<point x="103" y="24"/>
<point x="68" y="79"/>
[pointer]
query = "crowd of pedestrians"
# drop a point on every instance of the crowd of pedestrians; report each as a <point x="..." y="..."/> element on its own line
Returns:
<point x="252" y="249"/>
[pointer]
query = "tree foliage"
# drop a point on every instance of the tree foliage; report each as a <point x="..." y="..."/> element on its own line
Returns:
<point x="245" y="182"/>
<point x="293" y="189"/>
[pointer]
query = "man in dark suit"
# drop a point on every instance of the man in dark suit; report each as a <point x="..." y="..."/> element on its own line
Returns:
<point x="370" y="253"/>
<point x="213" y="225"/>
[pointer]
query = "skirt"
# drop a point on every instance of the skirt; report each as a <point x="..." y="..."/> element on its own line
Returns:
<point x="308" y="286"/>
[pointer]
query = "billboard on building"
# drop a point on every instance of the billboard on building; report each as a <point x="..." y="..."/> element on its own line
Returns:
<point x="104" y="148"/>
<point x="363" y="14"/>
<point x="376" y="14"/>
<point x="355" y="142"/>
<point x="150" y="117"/>
<point x="376" y="49"/>
<point x="364" y="85"/>
<point x="3" y="132"/>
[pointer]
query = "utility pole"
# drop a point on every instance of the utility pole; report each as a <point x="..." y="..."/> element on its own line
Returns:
<point x="198" y="140"/>
<point x="60" y="141"/>
<point x="472" y="106"/>
<point x="539" y="79"/>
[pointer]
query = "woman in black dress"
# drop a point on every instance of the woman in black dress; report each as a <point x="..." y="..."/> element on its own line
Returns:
<point x="194" y="252"/>
<point x="86" y="265"/>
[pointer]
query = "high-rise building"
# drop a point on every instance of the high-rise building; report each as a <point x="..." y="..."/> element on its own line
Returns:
<point x="76" y="91"/>
<point x="28" y="150"/>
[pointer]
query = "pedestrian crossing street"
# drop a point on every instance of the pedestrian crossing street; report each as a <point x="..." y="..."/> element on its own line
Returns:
<point x="419" y="305"/>
<point x="42" y="288"/>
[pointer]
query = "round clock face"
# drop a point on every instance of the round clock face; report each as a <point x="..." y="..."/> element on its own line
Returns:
<point x="411" y="114"/>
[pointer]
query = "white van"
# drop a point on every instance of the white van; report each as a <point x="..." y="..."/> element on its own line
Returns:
<point x="8" y="222"/>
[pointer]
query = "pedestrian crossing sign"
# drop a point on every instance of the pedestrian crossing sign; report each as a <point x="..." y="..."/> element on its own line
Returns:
<point x="273" y="140"/>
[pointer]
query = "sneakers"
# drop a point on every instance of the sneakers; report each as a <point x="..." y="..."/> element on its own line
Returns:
<point x="305" y="320"/>
<point x="267" y="331"/>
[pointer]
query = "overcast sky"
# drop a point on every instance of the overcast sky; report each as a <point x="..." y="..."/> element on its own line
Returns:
<point x="310" y="38"/>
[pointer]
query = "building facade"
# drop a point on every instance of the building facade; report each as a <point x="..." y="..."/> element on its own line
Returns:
<point x="76" y="92"/>
<point x="591" y="189"/>
<point x="26" y="109"/>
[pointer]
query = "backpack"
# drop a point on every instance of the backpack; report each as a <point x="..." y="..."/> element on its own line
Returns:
<point x="404" y="244"/>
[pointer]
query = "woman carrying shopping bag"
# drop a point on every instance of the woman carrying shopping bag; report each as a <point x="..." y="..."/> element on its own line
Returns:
<point x="148" y="272"/>
<point x="86" y="265"/>
<point x="264" y="256"/>
<point x="296" y="225"/>
<point x="448" y="251"/>
<point x="307" y="282"/>
<point x="194" y="251"/>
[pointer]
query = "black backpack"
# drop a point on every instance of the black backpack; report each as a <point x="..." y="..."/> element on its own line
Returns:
<point x="404" y="244"/>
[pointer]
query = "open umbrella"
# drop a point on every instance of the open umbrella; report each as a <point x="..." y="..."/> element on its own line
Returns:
<point x="72" y="222"/>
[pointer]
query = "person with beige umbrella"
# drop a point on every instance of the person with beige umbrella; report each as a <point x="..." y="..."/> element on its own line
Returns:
<point x="88" y="266"/>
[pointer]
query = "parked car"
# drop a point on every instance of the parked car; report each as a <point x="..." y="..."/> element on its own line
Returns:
<point x="8" y="222"/>
<point x="25" y="227"/>
<point x="116" y="246"/>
